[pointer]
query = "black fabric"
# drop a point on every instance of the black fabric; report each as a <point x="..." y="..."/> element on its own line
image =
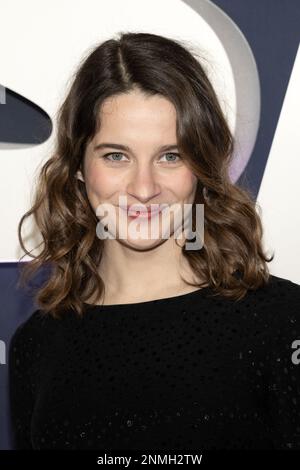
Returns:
<point x="187" y="372"/>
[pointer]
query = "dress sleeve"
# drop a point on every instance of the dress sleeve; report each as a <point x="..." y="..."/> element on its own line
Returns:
<point x="284" y="373"/>
<point x="20" y="390"/>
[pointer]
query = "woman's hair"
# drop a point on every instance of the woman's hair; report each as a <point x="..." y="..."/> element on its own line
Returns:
<point x="71" y="249"/>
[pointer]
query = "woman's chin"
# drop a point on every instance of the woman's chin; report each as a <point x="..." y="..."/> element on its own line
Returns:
<point x="142" y="244"/>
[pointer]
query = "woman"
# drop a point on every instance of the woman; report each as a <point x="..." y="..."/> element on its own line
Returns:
<point x="148" y="342"/>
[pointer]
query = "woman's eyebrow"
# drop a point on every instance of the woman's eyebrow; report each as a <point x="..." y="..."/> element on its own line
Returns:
<point x="125" y="147"/>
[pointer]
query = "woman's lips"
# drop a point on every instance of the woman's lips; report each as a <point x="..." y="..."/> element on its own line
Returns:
<point x="144" y="215"/>
<point x="133" y="214"/>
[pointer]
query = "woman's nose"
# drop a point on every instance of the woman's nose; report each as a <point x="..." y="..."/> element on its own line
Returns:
<point x="143" y="184"/>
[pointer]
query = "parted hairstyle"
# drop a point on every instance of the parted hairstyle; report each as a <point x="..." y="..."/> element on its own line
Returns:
<point x="231" y="261"/>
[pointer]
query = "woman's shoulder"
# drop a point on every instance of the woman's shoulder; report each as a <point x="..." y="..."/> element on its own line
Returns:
<point x="30" y="331"/>
<point x="277" y="307"/>
<point x="276" y="290"/>
<point x="281" y="291"/>
<point x="273" y="308"/>
<point x="283" y="282"/>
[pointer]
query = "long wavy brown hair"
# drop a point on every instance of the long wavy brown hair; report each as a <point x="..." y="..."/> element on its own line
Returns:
<point x="231" y="261"/>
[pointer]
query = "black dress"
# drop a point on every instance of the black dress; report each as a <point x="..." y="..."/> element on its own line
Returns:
<point x="186" y="372"/>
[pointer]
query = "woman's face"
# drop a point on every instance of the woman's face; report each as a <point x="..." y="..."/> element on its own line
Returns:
<point x="143" y="172"/>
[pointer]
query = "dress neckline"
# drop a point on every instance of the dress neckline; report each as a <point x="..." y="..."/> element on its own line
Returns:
<point x="145" y="303"/>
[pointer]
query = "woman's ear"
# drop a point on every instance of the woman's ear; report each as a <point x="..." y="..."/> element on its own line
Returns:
<point x="79" y="176"/>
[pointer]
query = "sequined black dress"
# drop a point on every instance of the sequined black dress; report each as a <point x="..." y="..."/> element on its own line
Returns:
<point x="187" y="372"/>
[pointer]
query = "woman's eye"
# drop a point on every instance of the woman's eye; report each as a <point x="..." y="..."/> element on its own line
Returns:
<point x="106" y="157"/>
<point x="173" y="155"/>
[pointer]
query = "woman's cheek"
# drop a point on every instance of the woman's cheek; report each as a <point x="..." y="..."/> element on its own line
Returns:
<point x="187" y="184"/>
